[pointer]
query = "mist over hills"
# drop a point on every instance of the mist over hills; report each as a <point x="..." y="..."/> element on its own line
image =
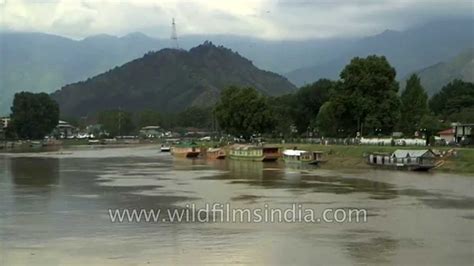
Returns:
<point x="407" y="51"/>
<point x="436" y="76"/>
<point x="168" y="80"/>
<point x="43" y="62"/>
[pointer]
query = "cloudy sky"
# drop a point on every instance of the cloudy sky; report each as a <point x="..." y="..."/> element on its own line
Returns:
<point x="269" y="19"/>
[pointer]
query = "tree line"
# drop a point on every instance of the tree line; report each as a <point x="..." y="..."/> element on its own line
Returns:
<point x="364" y="102"/>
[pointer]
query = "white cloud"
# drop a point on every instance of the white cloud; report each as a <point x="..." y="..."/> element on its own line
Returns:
<point x="271" y="19"/>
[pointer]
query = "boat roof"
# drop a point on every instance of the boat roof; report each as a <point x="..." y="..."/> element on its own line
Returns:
<point x="213" y="149"/>
<point x="409" y="153"/>
<point x="293" y="152"/>
<point x="298" y="152"/>
<point x="251" y="147"/>
<point x="186" y="145"/>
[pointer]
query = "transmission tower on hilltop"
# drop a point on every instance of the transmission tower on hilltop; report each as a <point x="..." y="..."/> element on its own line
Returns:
<point x="174" y="35"/>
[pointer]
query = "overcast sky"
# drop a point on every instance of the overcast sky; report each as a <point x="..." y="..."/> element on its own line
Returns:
<point x="269" y="19"/>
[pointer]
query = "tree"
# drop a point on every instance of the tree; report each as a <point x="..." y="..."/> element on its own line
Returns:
<point x="34" y="115"/>
<point x="282" y="110"/>
<point x="326" y="121"/>
<point x="429" y="125"/>
<point x="308" y="101"/>
<point x="366" y="99"/>
<point x="414" y="105"/>
<point x="194" y="116"/>
<point x="453" y="100"/>
<point x="243" y="112"/>
<point x="116" y="122"/>
<point x="149" y="118"/>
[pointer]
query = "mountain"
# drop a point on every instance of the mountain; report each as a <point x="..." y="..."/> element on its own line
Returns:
<point x="168" y="80"/>
<point x="44" y="62"/>
<point x="407" y="51"/>
<point x="40" y="62"/>
<point x="434" y="77"/>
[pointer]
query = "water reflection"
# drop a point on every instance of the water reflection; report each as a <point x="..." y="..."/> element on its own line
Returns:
<point x="35" y="171"/>
<point x="376" y="250"/>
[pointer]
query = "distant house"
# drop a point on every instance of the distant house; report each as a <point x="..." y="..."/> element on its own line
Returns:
<point x="463" y="132"/>
<point x="4" y="122"/>
<point x="96" y="131"/>
<point x="65" y="130"/>
<point x="152" y="132"/>
<point x="447" y="135"/>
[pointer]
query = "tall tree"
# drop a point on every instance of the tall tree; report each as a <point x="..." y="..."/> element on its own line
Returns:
<point x="326" y="121"/>
<point x="309" y="100"/>
<point x="34" y="115"/>
<point x="116" y="122"/>
<point x="414" y="106"/>
<point x="149" y="117"/>
<point x="366" y="99"/>
<point x="243" y="112"/>
<point x="282" y="112"/>
<point x="453" y="100"/>
<point x="194" y="116"/>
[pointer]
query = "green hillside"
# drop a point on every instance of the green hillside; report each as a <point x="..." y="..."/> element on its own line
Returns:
<point x="169" y="80"/>
<point x="461" y="67"/>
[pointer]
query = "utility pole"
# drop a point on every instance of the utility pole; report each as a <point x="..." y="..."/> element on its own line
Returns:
<point x="174" y="35"/>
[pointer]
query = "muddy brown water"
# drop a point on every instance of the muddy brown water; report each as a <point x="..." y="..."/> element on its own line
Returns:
<point x="54" y="211"/>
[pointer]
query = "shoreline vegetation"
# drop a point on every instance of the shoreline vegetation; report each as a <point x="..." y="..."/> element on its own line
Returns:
<point x="335" y="155"/>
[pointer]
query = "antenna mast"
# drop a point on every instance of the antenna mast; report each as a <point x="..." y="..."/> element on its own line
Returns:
<point x="174" y="35"/>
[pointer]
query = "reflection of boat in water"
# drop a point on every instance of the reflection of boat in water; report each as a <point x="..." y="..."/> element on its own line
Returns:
<point x="413" y="160"/>
<point x="300" y="156"/>
<point x="215" y="153"/>
<point x="186" y="150"/>
<point x="254" y="153"/>
<point x="165" y="148"/>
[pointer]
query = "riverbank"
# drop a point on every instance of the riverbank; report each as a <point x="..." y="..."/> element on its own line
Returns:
<point x="336" y="156"/>
<point x="352" y="157"/>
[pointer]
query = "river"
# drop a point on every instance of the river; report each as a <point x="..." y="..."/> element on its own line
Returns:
<point x="54" y="210"/>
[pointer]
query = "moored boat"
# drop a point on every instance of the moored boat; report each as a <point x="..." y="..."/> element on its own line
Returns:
<point x="254" y="153"/>
<point x="165" y="148"/>
<point x="186" y="150"/>
<point x="412" y="160"/>
<point x="215" y="153"/>
<point x="301" y="156"/>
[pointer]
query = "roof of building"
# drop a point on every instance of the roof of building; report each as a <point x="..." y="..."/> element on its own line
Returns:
<point x="409" y="153"/>
<point x="449" y="131"/>
<point x="464" y="125"/>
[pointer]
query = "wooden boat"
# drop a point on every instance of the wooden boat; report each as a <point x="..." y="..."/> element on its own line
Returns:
<point x="186" y="150"/>
<point x="412" y="160"/>
<point x="254" y="153"/>
<point x="165" y="148"/>
<point x="215" y="153"/>
<point x="301" y="156"/>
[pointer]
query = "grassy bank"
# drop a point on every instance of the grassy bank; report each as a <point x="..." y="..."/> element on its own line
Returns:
<point x="342" y="156"/>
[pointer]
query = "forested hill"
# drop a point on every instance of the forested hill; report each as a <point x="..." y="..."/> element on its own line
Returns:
<point x="168" y="80"/>
<point x="434" y="77"/>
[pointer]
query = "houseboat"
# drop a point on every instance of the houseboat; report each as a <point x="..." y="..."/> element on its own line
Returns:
<point x="186" y="150"/>
<point x="254" y="153"/>
<point x="301" y="156"/>
<point x="215" y="153"/>
<point x="165" y="148"/>
<point x="412" y="160"/>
